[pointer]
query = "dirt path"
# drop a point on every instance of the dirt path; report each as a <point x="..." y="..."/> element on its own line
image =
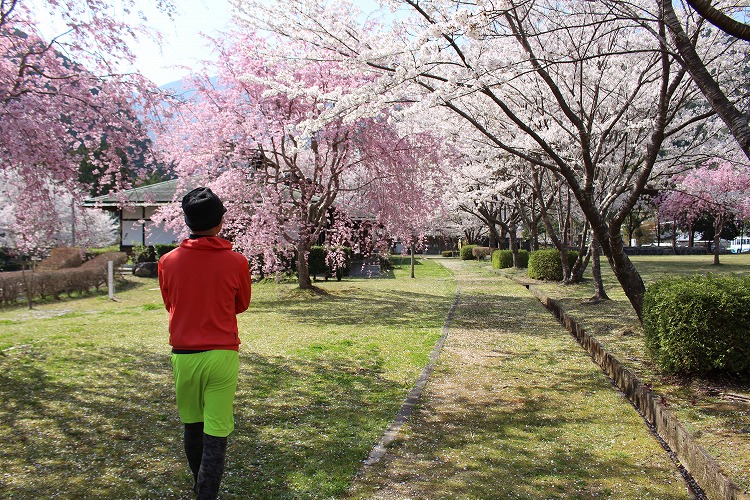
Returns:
<point x="515" y="409"/>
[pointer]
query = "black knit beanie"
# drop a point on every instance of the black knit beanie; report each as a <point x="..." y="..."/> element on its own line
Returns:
<point x="203" y="209"/>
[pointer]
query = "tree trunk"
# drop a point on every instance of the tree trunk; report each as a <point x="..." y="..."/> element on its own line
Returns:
<point x="412" y="260"/>
<point x="614" y="249"/>
<point x="565" y="265"/>
<point x="718" y="228"/>
<point x="514" y="245"/>
<point x="494" y="235"/>
<point x="303" y="267"/>
<point x="596" y="270"/>
<point x="584" y="254"/>
<point x="501" y="241"/>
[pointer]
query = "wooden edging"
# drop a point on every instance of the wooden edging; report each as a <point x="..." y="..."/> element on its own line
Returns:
<point x="707" y="473"/>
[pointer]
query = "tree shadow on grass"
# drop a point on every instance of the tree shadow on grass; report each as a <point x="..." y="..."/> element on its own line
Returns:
<point x="516" y="410"/>
<point x="309" y="424"/>
<point x="519" y="445"/>
<point x="386" y="308"/>
<point x="102" y="423"/>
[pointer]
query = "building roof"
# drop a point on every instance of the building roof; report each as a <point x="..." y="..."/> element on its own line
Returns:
<point x="161" y="193"/>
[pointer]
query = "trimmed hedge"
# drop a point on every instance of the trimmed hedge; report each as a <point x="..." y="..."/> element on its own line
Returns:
<point x="447" y="253"/>
<point x="699" y="324"/>
<point x="45" y="284"/>
<point x="61" y="258"/>
<point x="502" y="259"/>
<point x="467" y="252"/>
<point x="142" y="253"/>
<point x="546" y="265"/>
<point x="162" y="249"/>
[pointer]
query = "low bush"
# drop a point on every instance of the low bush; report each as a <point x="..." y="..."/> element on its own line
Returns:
<point x="61" y="258"/>
<point x="699" y="324"/>
<point x="481" y="253"/>
<point x="142" y="253"/>
<point x="41" y="284"/>
<point x="447" y="253"/>
<point x="502" y="259"/>
<point x="162" y="249"/>
<point x="523" y="258"/>
<point x="546" y="265"/>
<point x="467" y="252"/>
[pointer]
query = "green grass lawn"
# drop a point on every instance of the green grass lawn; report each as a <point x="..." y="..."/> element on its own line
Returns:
<point x="720" y="424"/>
<point x="87" y="407"/>
<point x="516" y="409"/>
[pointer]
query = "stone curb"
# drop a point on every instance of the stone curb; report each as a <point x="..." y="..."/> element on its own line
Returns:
<point x="380" y="449"/>
<point x="707" y="473"/>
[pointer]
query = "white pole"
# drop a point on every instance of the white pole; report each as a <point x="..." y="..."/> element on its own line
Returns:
<point x="111" y="279"/>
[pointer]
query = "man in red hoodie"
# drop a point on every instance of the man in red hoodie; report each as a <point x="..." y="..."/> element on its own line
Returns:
<point x="205" y="285"/>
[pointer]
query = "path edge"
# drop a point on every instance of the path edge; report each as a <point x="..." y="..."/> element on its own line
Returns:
<point x="412" y="398"/>
<point x="697" y="461"/>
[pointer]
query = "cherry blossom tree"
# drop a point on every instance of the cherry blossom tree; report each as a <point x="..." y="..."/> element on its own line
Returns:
<point x="253" y="132"/>
<point x="724" y="87"/>
<point x="487" y="188"/>
<point x="66" y="224"/>
<point x="719" y="189"/>
<point x="573" y="87"/>
<point x="68" y="100"/>
<point x="717" y="92"/>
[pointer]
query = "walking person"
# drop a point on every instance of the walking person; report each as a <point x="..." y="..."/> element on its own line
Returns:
<point x="205" y="284"/>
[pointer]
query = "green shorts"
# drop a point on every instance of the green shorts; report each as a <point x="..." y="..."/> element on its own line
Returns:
<point x="205" y="383"/>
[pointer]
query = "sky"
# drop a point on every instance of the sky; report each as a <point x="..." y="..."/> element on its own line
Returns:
<point x="182" y="43"/>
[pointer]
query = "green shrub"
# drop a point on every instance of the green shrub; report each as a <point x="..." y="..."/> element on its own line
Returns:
<point x="523" y="258"/>
<point x="143" y="253"/>
<point x="162" y="249"/>
<point x="699" y="324"/>
<point x="502" y="259"/>
<point x="546" y="265"/>
<point x="447" y="253"/>
<point x="467" y="252"/>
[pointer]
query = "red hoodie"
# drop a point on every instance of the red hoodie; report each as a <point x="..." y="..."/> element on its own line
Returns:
<point x="204" y="285"/>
